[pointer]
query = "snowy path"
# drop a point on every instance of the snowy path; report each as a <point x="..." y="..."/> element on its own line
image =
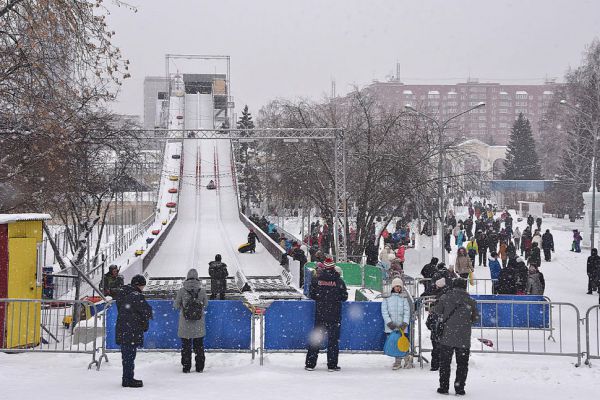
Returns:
<point x="208" y="221"/>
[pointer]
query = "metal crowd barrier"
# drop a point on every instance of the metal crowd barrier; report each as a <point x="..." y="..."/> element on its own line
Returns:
<point x="230" y="326"/>
<point x="520" y="327"/>
<point x="479" y="286"/>
<point x="286" y="326"/>
<point x="50" y="326"/>
<point x="592" y="334"/>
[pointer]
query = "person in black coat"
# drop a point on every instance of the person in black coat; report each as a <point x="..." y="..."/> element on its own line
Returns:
<point x="218" y="278"/>
<point x="134" y="315"/>
<point x="328" y="290"/>
<point x="522" y="275"/>
<point x="538" y="222"/>
<point x="593" y="270"/>
<point x="372" y="252"/>
<point x="427" y="272"/>
<point x="507" y="281"/>
<point x="547" y="245"/>
<point x="535" y="258"/>
<point x="530" y="221"/>
<point x="482" y="245"/>
<point x="252" y="240"/>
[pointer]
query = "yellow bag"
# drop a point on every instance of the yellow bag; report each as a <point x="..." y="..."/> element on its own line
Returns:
<point x="471" y="278"/>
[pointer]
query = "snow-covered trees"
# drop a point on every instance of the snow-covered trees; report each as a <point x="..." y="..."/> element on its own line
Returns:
<point x="521" y="158"/>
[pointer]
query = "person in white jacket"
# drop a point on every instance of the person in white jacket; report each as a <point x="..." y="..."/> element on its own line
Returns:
<point x="395" y="310"/>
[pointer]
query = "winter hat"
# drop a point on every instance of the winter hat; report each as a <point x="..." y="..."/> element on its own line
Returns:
<point x="459" y="283"/>
<point x="138" y="280"/>
<point x="520" y="260"/>
<point x="218" y="257"/>
<point x="113" y="266"/>
<point x="397" y="282"/>
<point x="441" y="266"/>
<point x="329" y="263"/>
<point x="192" y="274"/>
<point x="440" y="283"/>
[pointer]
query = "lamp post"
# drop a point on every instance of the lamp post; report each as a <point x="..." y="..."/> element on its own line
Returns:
<point x="441" y="126"/>
<point x="595" y="131"/>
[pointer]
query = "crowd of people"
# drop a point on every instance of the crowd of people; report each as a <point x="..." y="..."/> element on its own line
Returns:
<point x="514" y="256"/>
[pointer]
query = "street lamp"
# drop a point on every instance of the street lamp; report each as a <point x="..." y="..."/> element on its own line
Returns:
<point x="595" y="131"/>
<point x="441" y="126"/>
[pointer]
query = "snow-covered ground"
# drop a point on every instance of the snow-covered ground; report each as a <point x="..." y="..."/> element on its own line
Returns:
<point x="234" y="376"/>
<point x="491" y="376"/>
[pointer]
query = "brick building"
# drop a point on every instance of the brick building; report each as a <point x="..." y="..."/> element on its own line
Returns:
<point x="490" y="124"/>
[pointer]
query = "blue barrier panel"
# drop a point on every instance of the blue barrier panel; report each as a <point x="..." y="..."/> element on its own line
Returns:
<point x="513" y="315"/>
<point x="228" y="326"/>
<point x="288" y="325"/>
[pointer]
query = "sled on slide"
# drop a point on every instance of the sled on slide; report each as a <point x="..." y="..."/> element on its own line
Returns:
<point x="246" y="247"/>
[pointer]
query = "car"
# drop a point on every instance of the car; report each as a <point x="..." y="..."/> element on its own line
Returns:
<point x="211" y="185"/>
<point x="173" y="190"/>
<point x="171" y="204"/>
<point x="173" y="178"/>
<point x="176" y="156"/>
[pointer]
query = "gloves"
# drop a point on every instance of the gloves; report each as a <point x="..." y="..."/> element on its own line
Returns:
<point x="403" y="326"/>
<point x="391" y="325"/>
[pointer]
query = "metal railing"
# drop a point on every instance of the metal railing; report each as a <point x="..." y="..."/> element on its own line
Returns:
<point x="520" y="327"/>
<point x="49" y="326"/>
<point x="480" y="286"/>
<point x="592" y="334"/>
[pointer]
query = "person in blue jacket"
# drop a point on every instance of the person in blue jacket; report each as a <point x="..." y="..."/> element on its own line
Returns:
<point x="495" y="269"/>
<point x="395" y="311"/>
<point x="328" y="290"/>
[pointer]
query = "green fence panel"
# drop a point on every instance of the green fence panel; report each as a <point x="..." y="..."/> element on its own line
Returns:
<point x="351" y="272"/>
<point x="373" y="278"/>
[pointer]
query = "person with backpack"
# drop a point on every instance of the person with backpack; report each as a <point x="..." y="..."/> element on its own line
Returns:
<point x="535" y="282"/>
<point x="191" y="301"/>
<point x="218" y="278"/>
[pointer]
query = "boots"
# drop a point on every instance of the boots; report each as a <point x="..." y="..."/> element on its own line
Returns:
<point x="133" y="383"/>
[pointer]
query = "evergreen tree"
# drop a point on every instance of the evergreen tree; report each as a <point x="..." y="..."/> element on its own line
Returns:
<point x="521" y="159"/>
<point x="248" y="179"/>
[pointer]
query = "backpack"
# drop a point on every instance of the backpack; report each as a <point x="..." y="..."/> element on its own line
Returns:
<point x="193" y="309"/>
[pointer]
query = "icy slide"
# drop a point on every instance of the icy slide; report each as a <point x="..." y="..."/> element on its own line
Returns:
<point x="207" y="220"/>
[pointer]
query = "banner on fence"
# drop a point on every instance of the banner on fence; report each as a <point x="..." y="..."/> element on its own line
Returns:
<point x="228" y="326"/>
<point x="288" y="325"/>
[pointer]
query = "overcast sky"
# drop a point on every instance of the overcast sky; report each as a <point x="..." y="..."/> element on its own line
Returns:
<point x="294" y="48"/>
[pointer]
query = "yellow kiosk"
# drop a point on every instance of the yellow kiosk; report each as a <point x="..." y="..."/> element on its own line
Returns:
<point x="21" y="262"/>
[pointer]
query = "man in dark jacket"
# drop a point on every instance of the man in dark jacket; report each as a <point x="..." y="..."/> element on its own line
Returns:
<point x="507" y="281"/>
<point x="535" y="258"/>
<point x="547" y="245"/>
<point x="134" y="315"/>
<point x="538" y="222"/>
<point x="218" y="278"/>
<point x="482" y="245"/>
<point x="492" y="241"/>
<point x="112" y="281"/>
<point x="458" y="311"/>
<point x="372" y="252"/>
<point x="469" y="227"/>
<point x="427" y="272"/>
<point x="593" y="270"/>
<point x="530" y="221"/>
<point x="328" y="291"/>
<point x="252" y="240"/>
